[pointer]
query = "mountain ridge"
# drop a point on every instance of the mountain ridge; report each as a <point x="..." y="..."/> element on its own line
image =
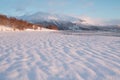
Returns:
<point x="65" y="22"/>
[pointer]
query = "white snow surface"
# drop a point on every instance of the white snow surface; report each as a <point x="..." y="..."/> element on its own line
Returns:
<point x="35" y="55"/>
<point x="42" y="29"/>
<point x="5" y="28"/>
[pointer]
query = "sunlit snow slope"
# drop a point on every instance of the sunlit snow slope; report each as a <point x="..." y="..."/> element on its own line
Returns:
<point x="57" y="56"/>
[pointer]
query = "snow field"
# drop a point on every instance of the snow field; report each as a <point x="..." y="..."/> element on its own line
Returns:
<point x="31" y="55"/>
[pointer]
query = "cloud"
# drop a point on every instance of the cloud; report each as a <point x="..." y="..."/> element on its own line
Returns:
<point x="20" y="9"/>
<point x="113" y="22"/>
<point x="100" y="21"/>
<point x="92" y="21"/>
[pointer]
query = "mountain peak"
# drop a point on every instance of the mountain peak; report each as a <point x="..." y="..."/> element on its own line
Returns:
<point x="43" y="16"/>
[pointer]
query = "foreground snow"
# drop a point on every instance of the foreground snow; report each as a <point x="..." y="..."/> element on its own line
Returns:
<point x="7" y="28"/>
<point x="57" y="56"/>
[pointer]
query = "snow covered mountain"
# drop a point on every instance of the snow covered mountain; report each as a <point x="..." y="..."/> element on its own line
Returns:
<point x="65" y="22"/>
<point x="42" y="16"/>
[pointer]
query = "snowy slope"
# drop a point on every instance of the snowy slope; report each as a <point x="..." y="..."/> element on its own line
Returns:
<point x="59" y="56"/>
<point x="42" y="16"/>
<point x="5" y="28"/>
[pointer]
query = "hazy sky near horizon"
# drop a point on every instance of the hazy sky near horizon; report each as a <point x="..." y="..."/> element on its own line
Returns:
<point x="105" y="9"/>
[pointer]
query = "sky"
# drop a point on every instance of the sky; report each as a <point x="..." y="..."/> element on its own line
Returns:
<point x="95" y="9"/>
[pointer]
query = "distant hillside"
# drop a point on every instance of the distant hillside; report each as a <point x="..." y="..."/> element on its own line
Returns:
<point x="8" y="23"/>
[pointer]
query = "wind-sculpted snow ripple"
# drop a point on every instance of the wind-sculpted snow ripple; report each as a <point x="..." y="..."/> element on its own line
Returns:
<point x="55" y="56"/>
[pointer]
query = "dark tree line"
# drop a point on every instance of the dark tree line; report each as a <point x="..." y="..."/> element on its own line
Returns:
<point x="54" y="27"/>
